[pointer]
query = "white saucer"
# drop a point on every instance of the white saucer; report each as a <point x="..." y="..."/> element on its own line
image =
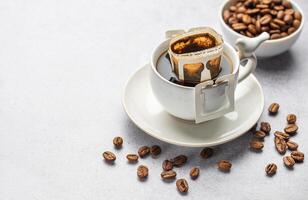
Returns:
<point x="146" y="112"/>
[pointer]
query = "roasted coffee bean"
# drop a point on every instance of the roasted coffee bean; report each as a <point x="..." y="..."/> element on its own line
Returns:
<point x="239" y="26"/>
<point x="291" y="129"/>
<point x="246" y="19"/>
<point x="291" y="30"/>
<point x="232" y="20"/>
<point x="273" y="108"/>
<point x="182" y="185"/>
<point x="265" y="29"/>
<point x="291" y="119"/>
<point x="109" y="156"/>
<point x="194" y="172"/>
<point x="248" y="34"/>
<point x="179" y="161"/>
<point x="283" y="34"/>
<point x="167" y="165"/>
<point x="274" y="12"/>
<point x="241" y="9"/>
<point x="232" y="8"/>
<point x="266" y="19"/>
<point x="273" y="32"/>
<point x="155" y="150"/>
<point x="292" y="145"/>
<point x="271" y="169"/>
<point x="288" y="161"/>
<point x="282" y="135"/>
<point x="226" y="15"/>
<point x="266" y="2"/>
<point x="265" y="11"/>
<point x="132" y="157"/>
<point x="279" y="22"/>
<point x="280" y="145"/>
<point x="297" y="15"/>
<point x="206" y="152"/>
<point x="261" y="6"/>
<point x="298" y="156"/>
<point x="256" y="145"/>
<point x="288" y="19"/>
<point x="296" y="23"/>
<point x="289" y="12"/>
<point x="224" y="165"/>
<point x="168" y="174"/>
<point x="142" y="171"/>
<point x="252" y="29"/>
<point x="265" y="127"/>
<point x="274" y="25"/>
<point x="144" y="151"/>
<point x="286" y="4"/>
<point x="117" y="142"/>
<point x="258" y="26"/>
<point x="252" y="11"/>
<point x="279" y="8"/>
<point x="280" y="15"/>
<point x="275" y="36"/>
<point x="259" y="134"/>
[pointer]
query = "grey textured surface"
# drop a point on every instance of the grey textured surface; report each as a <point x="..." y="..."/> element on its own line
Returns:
<point x="63" y="65"/>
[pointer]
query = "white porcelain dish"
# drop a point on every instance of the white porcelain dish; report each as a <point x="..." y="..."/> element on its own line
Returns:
<point x="268" y="48"/>
<point x="146" y="112"/>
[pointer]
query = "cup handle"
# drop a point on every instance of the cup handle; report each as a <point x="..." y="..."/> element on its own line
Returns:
<point x="248" y="68"/>
<point x="246" y="48"/>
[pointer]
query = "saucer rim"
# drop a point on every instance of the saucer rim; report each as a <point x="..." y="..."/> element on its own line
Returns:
<point x="236" y="134"/>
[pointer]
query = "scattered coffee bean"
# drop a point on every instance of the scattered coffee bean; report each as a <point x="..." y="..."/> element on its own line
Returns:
<point x="274" y="107"/>
<point x="252" y="17"/>
<point x="282" y="135"/>
<point x="206" y="152"/>
<point x="292" y="145"/>
<point x="280" y="145"/>
<point x="224" y="165"/>
<point x="132" y="157"/>
<point x="256" y="145"/>
<point x="167" y="165"/>
<point x="109" y="156"/>
<point x="291" y="119"/>
<point x="291" y="129"/>
<point x="288" y="161"/>
<point x="144" y="151"/>
<point x="265" y="127"/>
<point x="179" y="161"/>
<point x="168" y="174"/>
<point x="194" y="172"/>
<point x="271" y="169"/>
<point x="142" y="171"/>
<point x="155" y="150"/>
<point x="298" y="156"/>
<point x="118" y="141"/>
<point x="259" y="134"/>
<point x="182" y="185"/>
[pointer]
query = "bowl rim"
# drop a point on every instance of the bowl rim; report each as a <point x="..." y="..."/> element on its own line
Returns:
<point x="153" y="62"/>
<point x="295" y="6"/>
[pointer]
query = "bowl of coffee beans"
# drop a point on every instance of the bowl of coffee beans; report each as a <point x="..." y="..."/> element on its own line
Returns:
<point x="282" y="19"/>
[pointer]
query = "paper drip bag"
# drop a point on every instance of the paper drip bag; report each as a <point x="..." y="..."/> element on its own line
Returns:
<point x="195" y="55"/>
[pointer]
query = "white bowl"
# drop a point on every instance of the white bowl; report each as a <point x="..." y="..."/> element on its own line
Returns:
<point x="268" y="48"/>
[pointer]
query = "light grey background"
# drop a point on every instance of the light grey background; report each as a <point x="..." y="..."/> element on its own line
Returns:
<point x="63" y="66"/>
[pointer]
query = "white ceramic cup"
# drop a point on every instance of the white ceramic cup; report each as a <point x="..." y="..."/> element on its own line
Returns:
<point x="207" y="100"/>
<point x="268" y="48"/>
